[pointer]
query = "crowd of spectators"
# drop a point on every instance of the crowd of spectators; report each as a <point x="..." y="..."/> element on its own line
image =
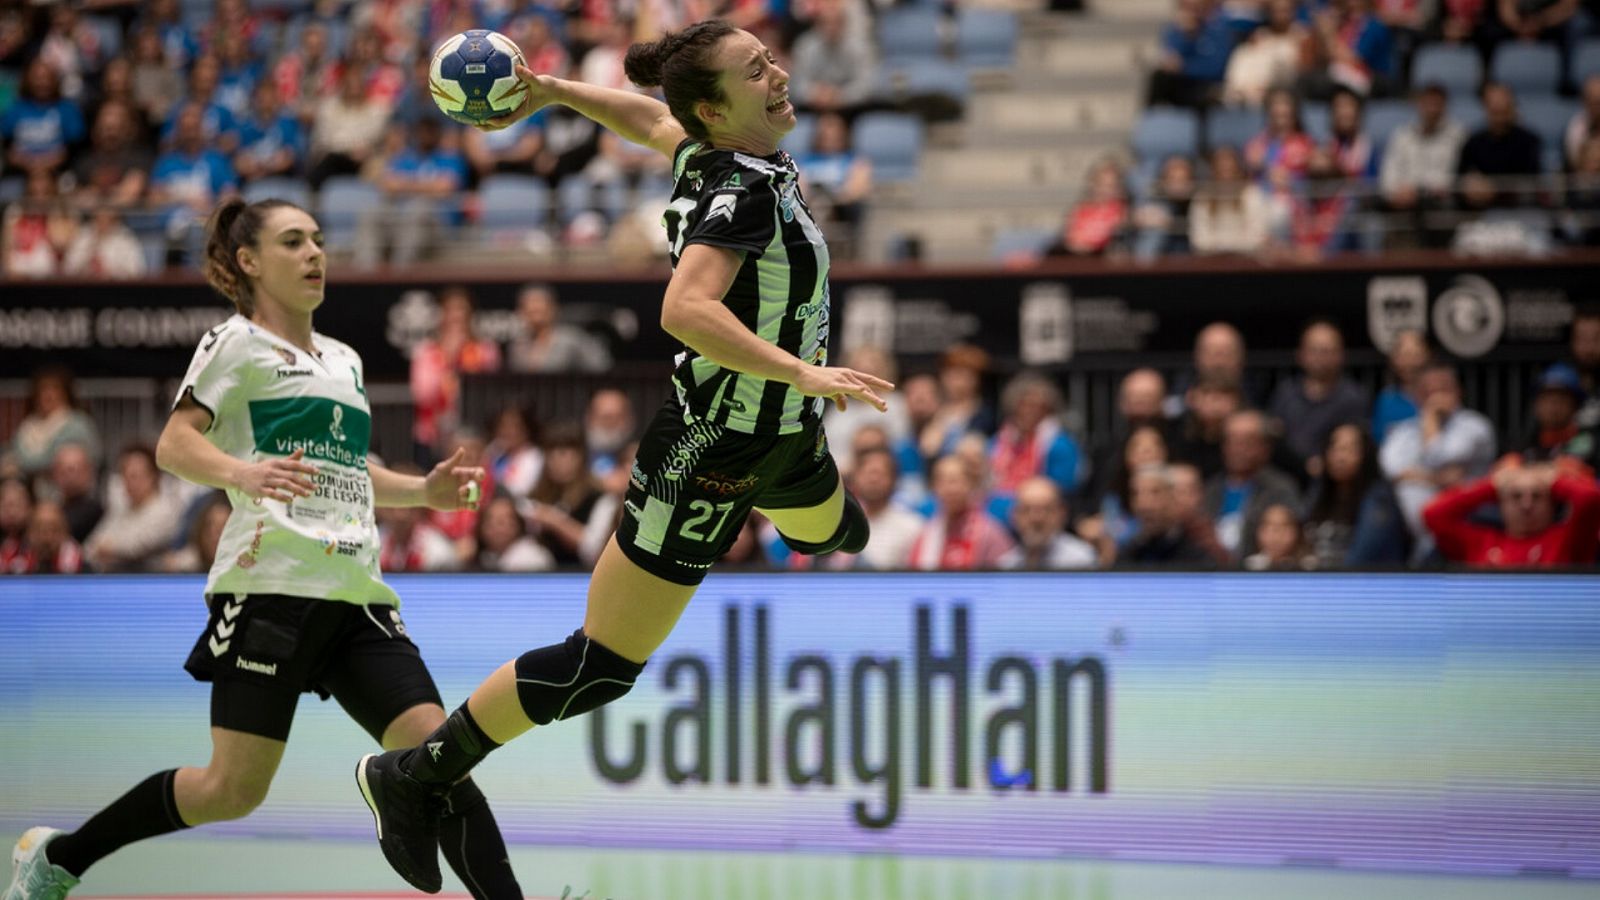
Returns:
<point x="1306" y="148"/>
<point x="1202" y="470"/>
<point x="123" y="123"/>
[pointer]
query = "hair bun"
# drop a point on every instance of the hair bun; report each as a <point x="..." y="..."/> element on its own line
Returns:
<point x="644" y="62"/>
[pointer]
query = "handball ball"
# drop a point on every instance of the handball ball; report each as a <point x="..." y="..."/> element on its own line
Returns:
<point x="473" y="76"/>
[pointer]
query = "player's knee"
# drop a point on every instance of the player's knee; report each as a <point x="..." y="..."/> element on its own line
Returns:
<point x="571" y="678"/>
<point x="850" y="537"/>
<point x="234" y="798"/>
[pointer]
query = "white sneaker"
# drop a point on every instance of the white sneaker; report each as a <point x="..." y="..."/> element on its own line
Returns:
<point x="33" y="877"/>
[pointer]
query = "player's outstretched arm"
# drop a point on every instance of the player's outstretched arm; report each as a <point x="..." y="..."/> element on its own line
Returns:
<point x="636" y="117"/>
<point x="693" y="312"/>
<point x="449" y="486"/>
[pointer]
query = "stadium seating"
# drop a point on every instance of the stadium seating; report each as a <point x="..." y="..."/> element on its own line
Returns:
<point x="1384" y="118"/>
<point x="1164" y="132"/>
<point x="11" y="188"/>
<point x="1233" y="126"/>
<point x="294" y="190"/>
<point x="1547" y="116"/>
<point x="1012" y="241"/>
<point x="909" y="33"/>
<point x="986" y="38"/>
<point x="1528" y="69"/>
<point x="931" y="88"/>
<point x="342" y="200"/>
<point x="513" y="203"/>
<point x="892" y="142"/>
<point x="1458" y="69"/>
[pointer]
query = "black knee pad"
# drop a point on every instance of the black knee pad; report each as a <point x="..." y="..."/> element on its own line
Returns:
<point x="850" y="537"/>
<point x="463" y="797"/>
<point x="570" y="678"/>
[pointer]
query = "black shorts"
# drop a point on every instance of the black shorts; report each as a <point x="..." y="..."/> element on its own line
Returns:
<point x="694" y="483"/>
<point x="262" y="651"/>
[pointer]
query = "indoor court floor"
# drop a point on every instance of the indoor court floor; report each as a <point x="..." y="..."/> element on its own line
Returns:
<point x="278" y="869"/>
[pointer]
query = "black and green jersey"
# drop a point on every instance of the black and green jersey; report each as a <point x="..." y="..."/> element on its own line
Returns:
<point x="267" y="399"/>
<point x="752" y="205"/>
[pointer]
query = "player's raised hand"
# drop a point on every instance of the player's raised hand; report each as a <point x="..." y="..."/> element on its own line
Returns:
<point x="842" y="385"/>
<point x="280" y="479"/>
<point x="538" y="92"/>
<point x="453" y="486"/>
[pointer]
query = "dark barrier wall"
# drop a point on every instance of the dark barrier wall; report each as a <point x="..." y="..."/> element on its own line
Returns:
<point x="1067" y="317"/>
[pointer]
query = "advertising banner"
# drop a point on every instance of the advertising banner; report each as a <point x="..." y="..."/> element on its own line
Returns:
<point x="1446" y="723"/>
<point x="1027" y="319"/>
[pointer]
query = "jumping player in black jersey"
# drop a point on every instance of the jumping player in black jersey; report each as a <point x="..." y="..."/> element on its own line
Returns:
<point x="749" y="300"/>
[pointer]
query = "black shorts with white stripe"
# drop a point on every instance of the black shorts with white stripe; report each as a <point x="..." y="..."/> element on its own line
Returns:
<point x="262" y="651"/>
<point x="694" y="484"/>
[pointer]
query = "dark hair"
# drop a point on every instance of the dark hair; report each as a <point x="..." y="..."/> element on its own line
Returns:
<point x="235" y="224"/>
<point x="62" y="376"/>
<point x="1342" y="91"/>
<point x="1121" y="483"/>
<point x="144" y="452"/>
<point x="681" y="64"/>
<point x="1329" y="502"/>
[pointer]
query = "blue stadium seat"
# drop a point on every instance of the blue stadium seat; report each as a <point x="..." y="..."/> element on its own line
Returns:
<point x="1585" y="61"/>
<point x="1164" y="132"/>
<point x="1467" y="112"/>
<point x="1233" y="126"/>
<point x="986" y="38"/>
<point x="293" y="190"/>
<point x="1457" y="68"/>
<point x="1011" y="241"/>
<point x="1528" y="69"/>
<point x="798" y="141"/>
<point x="12" y="188"/>
<point x="1384" y="118"/>
<point x="513" y="203"/>
<point x="909" y="33"/>
<point x="932" y="87"/>
<point x="343" y="199"/>
<point x="892" y="142"/>
<point x="1547" y="116"/>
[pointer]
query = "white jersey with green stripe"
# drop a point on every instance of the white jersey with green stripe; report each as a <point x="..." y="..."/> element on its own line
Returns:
<point x="267" y="399"/>
<point x="752" y="205"/>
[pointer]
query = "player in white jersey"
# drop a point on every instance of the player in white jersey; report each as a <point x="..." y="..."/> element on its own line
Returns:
<point x="277" y="415"/>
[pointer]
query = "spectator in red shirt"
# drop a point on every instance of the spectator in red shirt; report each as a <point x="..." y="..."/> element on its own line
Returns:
<point x="438" y="364"/>
<point x="1284" y="143"/>
<point x="50" y="549"/>
<point x="1100" y="220"/>
<point x="961" y="536"/>
<point x="1530" y="536"/>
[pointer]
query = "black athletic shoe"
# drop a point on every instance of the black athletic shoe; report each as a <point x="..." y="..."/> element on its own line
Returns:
<point x="407" y="815"/>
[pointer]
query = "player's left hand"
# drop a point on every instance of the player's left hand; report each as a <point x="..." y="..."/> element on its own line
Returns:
<point x="538" y="92"/>
<point x="452" y="486"/>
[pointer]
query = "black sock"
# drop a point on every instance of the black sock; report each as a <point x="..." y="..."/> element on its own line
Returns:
<point x="470" y="839"/>
<point x="446" y="756"/>
<point x="150" y="809"/>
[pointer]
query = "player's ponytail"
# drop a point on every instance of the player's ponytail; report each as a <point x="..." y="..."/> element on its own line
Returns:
<point x="681" y="64"/>
<point x="235" y="224"/>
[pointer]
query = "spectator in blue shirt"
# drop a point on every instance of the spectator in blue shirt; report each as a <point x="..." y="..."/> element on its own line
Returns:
<point x="270" y="138"/>
<point x="189" y="179"/>
<point x="1397" y="401"/>
<point x="176" y="38"/>
<point x="238" y="72"/>
<point x="1352" y="48"/>
<point x="40" y="126"/>
<point x="217" y="123"/>
<point x="418" y="181"/>
<point x="1194" y="57"/>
